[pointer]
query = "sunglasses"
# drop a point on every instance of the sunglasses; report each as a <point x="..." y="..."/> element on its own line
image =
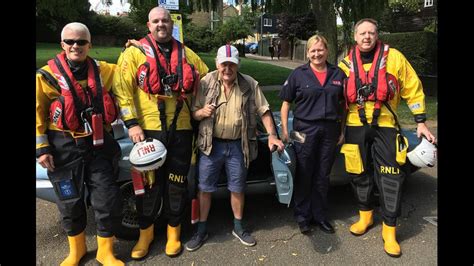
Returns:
<point x="72" y="42"/>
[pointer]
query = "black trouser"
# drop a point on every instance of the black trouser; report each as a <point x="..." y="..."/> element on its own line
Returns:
<point x="377" y="146"/>
<point x="314" y="160"/>
<point x="170" y="180"/>
<point x="78" y="162"/>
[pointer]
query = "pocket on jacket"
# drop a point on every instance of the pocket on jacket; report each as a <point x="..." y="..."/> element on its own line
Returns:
<point x="352" y="158"/>
<point x="401" y="146"/>
<point x="68" y="180"/>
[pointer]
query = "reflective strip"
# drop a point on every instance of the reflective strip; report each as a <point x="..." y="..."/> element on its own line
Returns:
<point x="42" y="139"/>
<point x="124" y="111"/>
<point x="43" y="184"/>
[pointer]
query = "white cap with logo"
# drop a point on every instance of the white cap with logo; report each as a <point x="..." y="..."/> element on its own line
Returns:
<point x="228" y="53"/>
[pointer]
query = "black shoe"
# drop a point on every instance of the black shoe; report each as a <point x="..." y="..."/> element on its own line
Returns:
<point x="196" y="241"/>
<point x="326" y="227"/>
<point x="304" y="227"/>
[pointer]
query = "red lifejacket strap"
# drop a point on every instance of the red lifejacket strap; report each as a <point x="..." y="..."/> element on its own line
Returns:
<point x="157" y="74"/>
<point x="77" y="100"/>
<point x="370" y="86"/>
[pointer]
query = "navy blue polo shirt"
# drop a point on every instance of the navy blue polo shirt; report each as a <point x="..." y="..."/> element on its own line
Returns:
<point x="315" y="101"/>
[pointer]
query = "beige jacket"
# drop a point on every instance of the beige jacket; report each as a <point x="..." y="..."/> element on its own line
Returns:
<point x="210" y="89"/>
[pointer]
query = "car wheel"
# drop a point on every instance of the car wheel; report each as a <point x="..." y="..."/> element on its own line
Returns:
<point x="129" y="228"/>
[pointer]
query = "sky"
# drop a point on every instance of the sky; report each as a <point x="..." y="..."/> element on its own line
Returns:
<point x="113" y="9"/>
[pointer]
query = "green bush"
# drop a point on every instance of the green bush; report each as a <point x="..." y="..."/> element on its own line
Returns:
<point x="420" y="48"/>
<point x="112" y="31"/>
<point x="199" y="39"/>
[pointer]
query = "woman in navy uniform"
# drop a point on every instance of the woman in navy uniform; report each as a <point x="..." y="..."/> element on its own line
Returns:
<point x="316" y="89"/>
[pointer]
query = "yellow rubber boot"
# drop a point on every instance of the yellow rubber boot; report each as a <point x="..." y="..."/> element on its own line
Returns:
<point x="173" y="245"/>
<point x="390" y="245"/>
<point x="140" y="250"/>
<point x="77" y="249"/>
<point x="365" y="221"/>
<point x="105" y="252"/>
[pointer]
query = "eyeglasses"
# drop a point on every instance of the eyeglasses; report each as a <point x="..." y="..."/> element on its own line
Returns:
<point x="72" y="42"/>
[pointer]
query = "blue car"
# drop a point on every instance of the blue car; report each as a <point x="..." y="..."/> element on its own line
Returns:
<point x="251" y="47"/>
<point x="272" y="168"/>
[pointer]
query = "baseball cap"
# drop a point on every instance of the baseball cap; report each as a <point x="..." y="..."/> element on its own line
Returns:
<point x="228" y="53"/>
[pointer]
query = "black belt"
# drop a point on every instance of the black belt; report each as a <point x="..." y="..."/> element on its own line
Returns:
<point x="225" y="140"/>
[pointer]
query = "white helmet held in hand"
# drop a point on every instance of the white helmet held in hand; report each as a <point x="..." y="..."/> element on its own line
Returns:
<point x="424" y="154"/>
<point x="148" y="155"/>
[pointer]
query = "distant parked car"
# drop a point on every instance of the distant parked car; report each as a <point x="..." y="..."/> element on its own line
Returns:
<point x="251" y="47"/>
<point x="274" y="169"/>
<point x="247" y="46"/>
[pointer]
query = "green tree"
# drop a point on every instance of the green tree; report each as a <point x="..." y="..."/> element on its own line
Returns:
<point x="350" y="11"/>
<point x="233" y="29"/>
<point x="291" y="27"/>
<point x="139" y="10"/>
<point x="325" y="13"/>
<point x="54" y="14"/>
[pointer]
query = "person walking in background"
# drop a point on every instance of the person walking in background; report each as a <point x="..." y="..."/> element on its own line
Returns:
<point x="227" y="105"/>
<point x="378" y="78"/>
<point x="73" y="110"/>
<point x="153" y="85"/>
<point x="278" y="49"/>
<point x="316" y="89"/>
<point x="271" y="49"/>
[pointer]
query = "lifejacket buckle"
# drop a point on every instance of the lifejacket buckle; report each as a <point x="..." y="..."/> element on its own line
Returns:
<point x="87" y="126"/>
<point x="169" y="79"/>
<point x="366" y="90"/>
<point x="167" y="90"/>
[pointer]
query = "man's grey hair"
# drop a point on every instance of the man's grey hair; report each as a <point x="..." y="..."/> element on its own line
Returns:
<point x="370" y="20"/>
<point x="159" y="7"/>
<point x="77" y="27"/>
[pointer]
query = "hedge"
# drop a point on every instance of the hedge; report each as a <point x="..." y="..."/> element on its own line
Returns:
<point x="420" y="48"/>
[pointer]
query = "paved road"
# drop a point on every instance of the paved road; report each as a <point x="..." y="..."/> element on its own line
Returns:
<point x="279" y="240"/>
<point x="283" y="61"/>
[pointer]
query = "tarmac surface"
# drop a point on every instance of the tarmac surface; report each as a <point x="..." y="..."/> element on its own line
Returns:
<point x="279" y="241"/>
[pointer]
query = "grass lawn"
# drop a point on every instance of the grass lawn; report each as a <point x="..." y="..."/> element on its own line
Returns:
<point x="404" y="114"/>
<point x="265" y="74"/>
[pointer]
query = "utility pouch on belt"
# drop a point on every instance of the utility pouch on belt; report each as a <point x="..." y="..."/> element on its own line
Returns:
<point x="401" y="149"/>
<point x="353" y="160"/>
<point x="68" y="180"/>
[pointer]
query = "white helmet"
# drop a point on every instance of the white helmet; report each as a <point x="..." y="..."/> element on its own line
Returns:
<point x="148" y="155"/>
<point x="424" y="154"/>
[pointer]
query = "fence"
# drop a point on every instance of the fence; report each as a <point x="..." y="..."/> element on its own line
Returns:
<point x="299" y="50"/>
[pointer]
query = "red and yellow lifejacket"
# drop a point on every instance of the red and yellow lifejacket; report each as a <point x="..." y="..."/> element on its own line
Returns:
<point x="156" y="73"/>
<point x="75" y="104"/>
<point x="375" y="85"/>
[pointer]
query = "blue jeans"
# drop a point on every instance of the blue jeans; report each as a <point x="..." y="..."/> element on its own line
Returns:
<point x="226" y="154"/>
